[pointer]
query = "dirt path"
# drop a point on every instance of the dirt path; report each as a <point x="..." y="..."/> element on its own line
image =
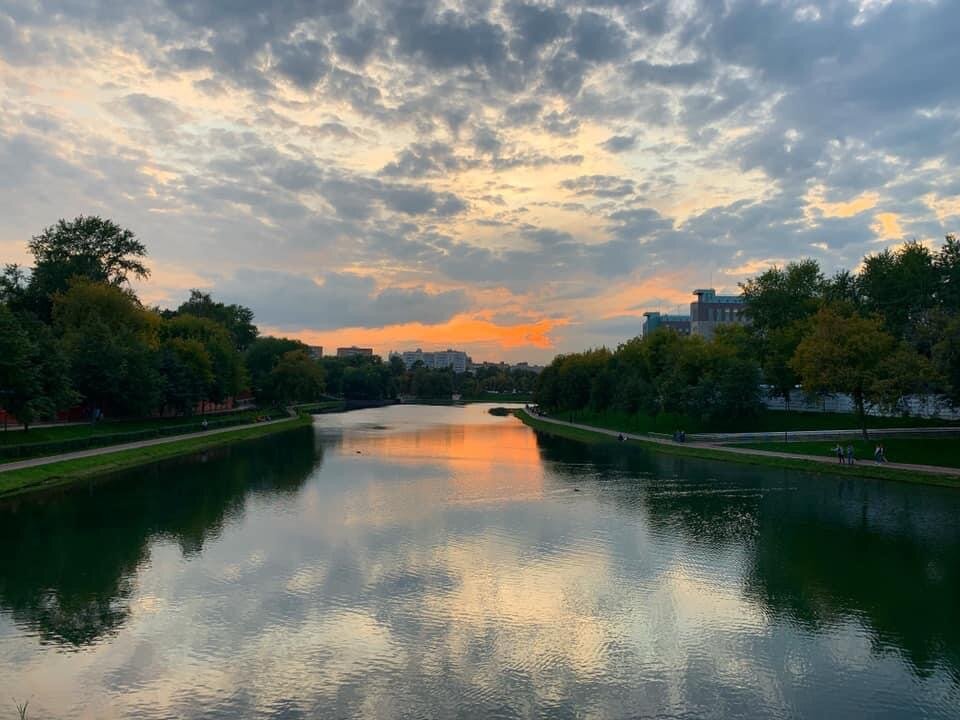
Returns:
<point x="106" y="450"/>
<point x="932" y="469"/>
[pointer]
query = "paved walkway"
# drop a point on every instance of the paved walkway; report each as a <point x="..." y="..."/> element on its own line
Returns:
<point x="93" y="452"/>
<point x="825" y="460"/>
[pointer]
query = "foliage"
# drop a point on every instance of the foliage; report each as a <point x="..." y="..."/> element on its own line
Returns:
<point x="87" y="247"/>
<point x="110" y="342"/>
<point x="899" y="286"/>
<point x="262" y="356"/>
<point x="658" y="375"/>
<point x="228" y="374"/>
<point x="856" y="355"/>
<point x="237" y="320"/>
<point x="946" y="356"/>
<point x="295" y="377"/>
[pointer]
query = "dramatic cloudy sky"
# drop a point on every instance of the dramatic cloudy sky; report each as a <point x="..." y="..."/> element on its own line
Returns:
<point x="512" y="177"/>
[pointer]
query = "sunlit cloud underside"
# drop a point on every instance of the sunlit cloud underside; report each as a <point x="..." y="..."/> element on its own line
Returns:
<point x="515" y="179"/>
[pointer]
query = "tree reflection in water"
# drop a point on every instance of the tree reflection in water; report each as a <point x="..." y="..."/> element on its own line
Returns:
<point x="822" y="550"/>
<point x="70" y="558"/>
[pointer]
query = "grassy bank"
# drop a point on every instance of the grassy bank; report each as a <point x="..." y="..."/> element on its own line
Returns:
<point x="768" y="421"/>
<point x="55" y="439"/>
<point x="920" y="451"/>
<point x="327" y="406"/>
<point x="862" y="470"/>
<point x="16" y="482"/>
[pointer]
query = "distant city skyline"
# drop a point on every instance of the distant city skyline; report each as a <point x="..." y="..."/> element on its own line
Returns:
<point x="512" y="178"/>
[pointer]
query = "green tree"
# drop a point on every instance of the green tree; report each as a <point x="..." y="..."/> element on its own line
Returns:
<point x="187" y="373"/>
<point x="88" y="247"/>
<point x="946" y="355"/>
<point x="779" y="301"/>
<point x="237" y="319"/>
<point x="229" y="375"/>
<point x="262" y="356"/>
<point x="948" y="266"/>
<point x="900" y="286"/>
<point x="295" y="378"/>
<point x="111" y="343"/>
<point x="19" y="378"/>
<point x="781" y="296"/>
<point x="856" y="355"/>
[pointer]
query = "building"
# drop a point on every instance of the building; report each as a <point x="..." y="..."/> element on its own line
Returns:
<point x="505" y="367"/>
<point x="710" y="310"/>
<point x="345" y="352"/>
<point x="655" y="320"/>
<point x="315" y="351"/>
<point x="455" y="359"/>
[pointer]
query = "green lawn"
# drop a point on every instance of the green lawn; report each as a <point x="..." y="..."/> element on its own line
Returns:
<point x="55" y="439"/>
<point x="769" y="421"/>
<point x="864" y="469"/>
<point x="14" y="482"/>
<point x="921" y="451"/>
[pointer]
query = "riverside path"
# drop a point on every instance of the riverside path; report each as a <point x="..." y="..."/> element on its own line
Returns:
<point x="825" y="460"/>
<point x="108" y="449"/>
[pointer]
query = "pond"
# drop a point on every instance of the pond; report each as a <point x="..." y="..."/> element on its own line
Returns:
<point x="433" y="562"/>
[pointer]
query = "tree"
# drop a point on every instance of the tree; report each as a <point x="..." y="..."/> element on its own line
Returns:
<point x="295" y="377"/>
<point x="111" y="343"/>
<point x="948" y="266"/>
<point x="946" y="355"/>
<point x="778" y="302"/>
<point x="228" y="375"/>
<point x="900" y="286"/>
<point x="262" y="356"/>
<point x="187" y="373"/>
<point x="87" y="247"/>
<point x="856" y="355"/>
<point x="779" y="297"/>
<point x="237" y="319"/>
<point x="19" y="378"/>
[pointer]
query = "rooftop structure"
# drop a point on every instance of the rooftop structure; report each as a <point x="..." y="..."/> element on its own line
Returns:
<point x="710" y="310"/>
<point x="315" y="351"/>
<point x="352" y="351"/>
<point x="654" y="320"/>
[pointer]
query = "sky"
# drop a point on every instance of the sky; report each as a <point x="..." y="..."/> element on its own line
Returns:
<point x="511" y="178"/>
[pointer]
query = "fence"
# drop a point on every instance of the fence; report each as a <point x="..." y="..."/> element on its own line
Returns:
<point x="924" y="406"/>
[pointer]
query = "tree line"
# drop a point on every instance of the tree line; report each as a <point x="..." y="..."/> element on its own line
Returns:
<point x="73" y="333"/>
<point x="880" y="334"/>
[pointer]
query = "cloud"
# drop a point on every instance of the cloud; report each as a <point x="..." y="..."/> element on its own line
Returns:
<point x="295" y="301"/>
<point x="619" y="143"/>
<point x="548" y="150"/>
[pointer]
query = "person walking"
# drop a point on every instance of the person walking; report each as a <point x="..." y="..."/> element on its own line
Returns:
<point x="850" y="454"/>
<point x="877" y="454"/>
<point x="883" y="453"/>
<point x="839" y="451"/>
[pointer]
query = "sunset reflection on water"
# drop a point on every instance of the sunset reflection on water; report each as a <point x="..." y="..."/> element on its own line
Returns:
<point x="443" y="562"/>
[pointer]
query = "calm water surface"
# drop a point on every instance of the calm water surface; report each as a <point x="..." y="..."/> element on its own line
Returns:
<point x="421" y="562"/>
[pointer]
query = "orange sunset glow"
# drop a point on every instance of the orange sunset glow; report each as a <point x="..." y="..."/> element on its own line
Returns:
<point x="514" y="180"/>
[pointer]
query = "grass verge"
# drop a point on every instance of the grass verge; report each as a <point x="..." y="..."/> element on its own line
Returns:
<point x="773" y="421"/>
<point x="919" y="451"/>
<point x="810" y="466"/>
<point x="15" y="482"/>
